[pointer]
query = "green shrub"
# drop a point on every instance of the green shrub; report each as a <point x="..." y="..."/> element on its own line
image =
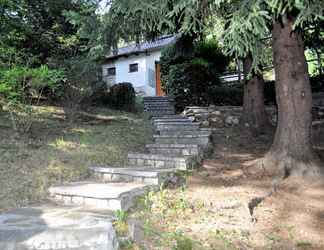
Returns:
<point x="121" y="96"/>
<point x="19" y="84"/>
<point x="189" y="83"/>
<point x="22" y="86"/>
<point x="224" y="95"/>
<point x="190" y="78"/>
<point x="212" y="54"/>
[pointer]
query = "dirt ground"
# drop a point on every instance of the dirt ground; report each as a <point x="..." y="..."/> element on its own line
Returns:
<point x="214" y="210"/>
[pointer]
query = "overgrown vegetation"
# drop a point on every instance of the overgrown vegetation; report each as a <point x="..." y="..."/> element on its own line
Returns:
<point x="56" y="151"/>
<point x="190" y="78"/>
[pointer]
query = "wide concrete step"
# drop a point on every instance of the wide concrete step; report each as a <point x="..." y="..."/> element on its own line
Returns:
<point x="176" y="125"/>
<point x="174" y="149"/>
<point x="151" y="176"/>
<point x="168" y="117"/>
<point x="110" y="196"/>
<point x="160" y="161"/>
<point x="51" y="227"/>
<point x="157" y="104"/>
<point x="159" y="113"/>
<point x="171" y="120"/>
<point x="157" y="99"/>
<point x="203" y="141"/>
<point x="180" y="132"/>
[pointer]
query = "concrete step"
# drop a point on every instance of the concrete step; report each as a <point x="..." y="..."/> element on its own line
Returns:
<point x="54" y="227"/>
<point x="168" y="117"/>
<point x="160" y="110"/>
<point x="150" y="176"/>
<point x="180" y="132"/>
<point x="203" y="141"/>
<point x="174" y="149"/>
<point x="165" y="120"/>
<point x="159" y="113"/>
<point x="110" y="196"/>
<point x="158" y="99"/>
<point x="159" y="104"/>
<point x="160" y="161"/>
<point x="176" y="125"/>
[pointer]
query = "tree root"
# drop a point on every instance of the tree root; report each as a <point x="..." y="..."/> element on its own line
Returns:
<point x="282" y="166"/>
<point x="254" y="202"/>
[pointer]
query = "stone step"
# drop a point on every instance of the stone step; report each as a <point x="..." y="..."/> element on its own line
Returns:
<point x="157" y="113"/>
<point x="168" y="117"/>
<point x="176" y="125"/>
<point x="157" y="99"/>
<point x="151" y="176"/>
<point x="181" y="132"/>
<point x="154" y="104"/>
<point x="174" y="149"/>
<point x="159" y="109"/>
<point x="203" y="141"/>
<point x="110" y="196"/>
<point x="54" y="227"/>
<point x="160" y="161"/>
<point x="170" y="120"/>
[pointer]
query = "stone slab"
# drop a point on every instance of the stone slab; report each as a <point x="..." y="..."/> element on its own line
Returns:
<point x="112" y="196"/>
<point x="152" y="176"/>
<point x="184" y="132"/>
<point x="96" y="190"/>
<point x="164" y="120"/>
<point x="56" y="228"/>
<point x="174" y="149"/>
<point x="132" y="171"/>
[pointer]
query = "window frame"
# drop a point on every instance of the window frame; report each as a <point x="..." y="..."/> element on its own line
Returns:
<point x="110" y="68"/>
<point x="132" y="70"/>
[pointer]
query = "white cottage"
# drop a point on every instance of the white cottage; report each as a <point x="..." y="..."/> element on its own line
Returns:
<point x="137" y="64"/>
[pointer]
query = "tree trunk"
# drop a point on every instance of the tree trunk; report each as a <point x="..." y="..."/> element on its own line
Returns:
<point x="254" y="115"/>
<point x="291" y="152"/>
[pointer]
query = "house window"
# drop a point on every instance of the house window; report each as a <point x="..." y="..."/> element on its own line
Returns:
<point x="133" y="67"/>
<point x="111" y="71"/>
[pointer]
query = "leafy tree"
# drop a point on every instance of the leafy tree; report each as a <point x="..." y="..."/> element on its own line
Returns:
<point x="291" y="151"/>
<point x="248" y="22"/>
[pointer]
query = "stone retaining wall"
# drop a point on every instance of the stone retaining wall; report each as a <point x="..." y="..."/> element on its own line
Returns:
<point x="227" y="116"/>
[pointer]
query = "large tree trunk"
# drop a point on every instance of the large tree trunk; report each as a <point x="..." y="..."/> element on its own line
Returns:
<point x="291" y="152"/>
<point x="254" y="115"/>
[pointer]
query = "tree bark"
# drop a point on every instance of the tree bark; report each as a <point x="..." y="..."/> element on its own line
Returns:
<point x="291" y="152"/>
<point x="254" y="115"/>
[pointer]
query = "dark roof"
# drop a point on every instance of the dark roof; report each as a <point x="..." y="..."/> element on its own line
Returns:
<point x="143" y="47"/>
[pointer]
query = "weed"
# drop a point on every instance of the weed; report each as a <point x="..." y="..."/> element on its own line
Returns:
<point x="120" y="223"/>
<point x="304" y="244"/>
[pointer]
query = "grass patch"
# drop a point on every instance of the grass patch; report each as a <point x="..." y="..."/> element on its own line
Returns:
<point x="57" y="151"/>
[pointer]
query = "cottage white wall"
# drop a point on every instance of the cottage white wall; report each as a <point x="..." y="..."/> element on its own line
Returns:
<point x="143" y="80"/>
<point x="150" y="69"/>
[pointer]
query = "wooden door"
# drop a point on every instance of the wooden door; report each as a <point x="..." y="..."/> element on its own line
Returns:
<point x="159" y="90"/>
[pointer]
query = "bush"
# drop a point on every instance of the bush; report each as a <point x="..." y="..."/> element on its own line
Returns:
<point x="223" y="95"/>
<point x="121" y="96"/>
<point x="20" y="87"/>
<point x="189" y="84"/>
<point x="190" y="78"/>
<point x="212" y="54"/>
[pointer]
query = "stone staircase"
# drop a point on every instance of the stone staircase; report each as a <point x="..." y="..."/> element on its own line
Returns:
<point x="179" y="144"/>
